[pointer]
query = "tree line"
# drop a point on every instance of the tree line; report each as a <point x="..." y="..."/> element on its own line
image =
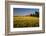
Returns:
<point x="34" y="15"/>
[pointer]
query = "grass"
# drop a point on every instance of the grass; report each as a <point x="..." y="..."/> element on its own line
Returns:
<point x="25" y="21"/>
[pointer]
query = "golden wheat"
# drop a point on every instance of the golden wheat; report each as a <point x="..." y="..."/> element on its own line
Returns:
<point x="26" y="21"/>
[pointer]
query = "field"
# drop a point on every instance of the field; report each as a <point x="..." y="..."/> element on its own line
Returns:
<point x="25" y="21"/>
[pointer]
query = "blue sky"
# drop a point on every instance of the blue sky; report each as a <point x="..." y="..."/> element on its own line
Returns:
<point x="23" y="11"/>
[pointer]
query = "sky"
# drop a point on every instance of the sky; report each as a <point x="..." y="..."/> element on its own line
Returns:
<point x="24" y="11"/>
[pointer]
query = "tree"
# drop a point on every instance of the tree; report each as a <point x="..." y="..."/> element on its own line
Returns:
<point x="30" y="14"/>
<point x="36" y="13"/>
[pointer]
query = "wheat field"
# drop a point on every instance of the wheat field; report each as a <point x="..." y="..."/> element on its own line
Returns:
<point x="25" y="21"/>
